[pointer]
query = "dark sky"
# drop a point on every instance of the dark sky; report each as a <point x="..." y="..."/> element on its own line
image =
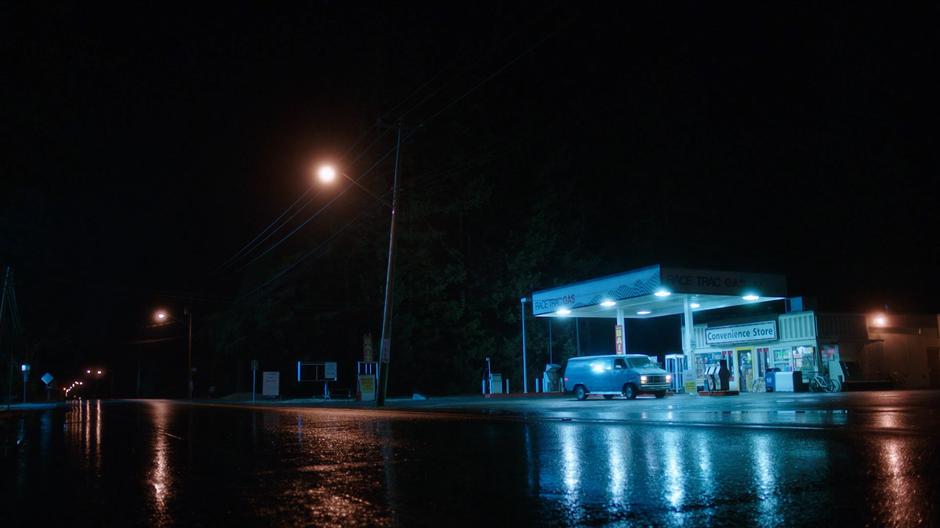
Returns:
<point x="148" y="142"/>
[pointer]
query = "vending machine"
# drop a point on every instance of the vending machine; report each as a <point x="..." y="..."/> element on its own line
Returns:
<point x="676" y="365"/>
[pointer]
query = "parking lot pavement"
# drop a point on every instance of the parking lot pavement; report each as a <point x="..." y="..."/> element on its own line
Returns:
<point x="887" y="411"/>
<point x="882" y="411"/>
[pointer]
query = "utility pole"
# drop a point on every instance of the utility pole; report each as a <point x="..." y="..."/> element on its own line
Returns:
<point x="8" y="303"/>
<point x="386" y="343"/>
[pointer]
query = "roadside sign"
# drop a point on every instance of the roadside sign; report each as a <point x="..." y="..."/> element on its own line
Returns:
<point x="366" y="387"/>
<point x="316" y="371"/>
<point x="270" y="384"/>
<point x="47" y="378"/>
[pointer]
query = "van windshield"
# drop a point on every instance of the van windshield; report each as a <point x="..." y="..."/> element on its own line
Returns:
<point x="640" y="362"/>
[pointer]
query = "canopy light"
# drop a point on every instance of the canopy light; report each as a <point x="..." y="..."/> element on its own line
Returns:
<point x="695" y="305"/>
<point x="662" y="293"/>
<point x="643" y="312"/>
<point x="751" y="297"/>
<point x="880" y="320"/>
<point x="608" y="303"/>
<point x="563" y="311"/>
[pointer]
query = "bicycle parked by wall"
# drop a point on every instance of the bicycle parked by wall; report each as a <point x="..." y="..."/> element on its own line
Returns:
<point x="823" y="383"/>
<point x="758" y="385"/>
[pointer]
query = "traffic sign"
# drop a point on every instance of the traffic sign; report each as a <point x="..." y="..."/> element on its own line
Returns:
<point x="47" y="378"/>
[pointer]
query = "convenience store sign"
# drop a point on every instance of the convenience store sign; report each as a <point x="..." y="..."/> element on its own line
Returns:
<point x="761" y="331"/>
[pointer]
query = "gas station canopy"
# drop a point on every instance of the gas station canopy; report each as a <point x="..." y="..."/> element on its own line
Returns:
<point x="656" y="291"/>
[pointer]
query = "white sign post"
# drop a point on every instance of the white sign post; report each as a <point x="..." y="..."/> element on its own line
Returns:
<point x="254" y="384"/>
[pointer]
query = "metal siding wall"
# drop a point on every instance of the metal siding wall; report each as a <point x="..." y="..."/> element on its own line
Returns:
<point x="797" y="326"/>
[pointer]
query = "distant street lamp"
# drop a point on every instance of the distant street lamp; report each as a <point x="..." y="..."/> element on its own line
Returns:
<point x="328" y="172"/>
<point x="162" y="316"/>
<point x="25" y="369"/>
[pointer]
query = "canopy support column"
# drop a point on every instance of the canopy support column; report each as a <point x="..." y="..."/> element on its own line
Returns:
<point x="687" y="329"/>
<point x="620" y="334"/>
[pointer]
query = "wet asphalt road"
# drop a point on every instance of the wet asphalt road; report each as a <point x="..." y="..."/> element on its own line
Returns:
<point x="864" y="460"/>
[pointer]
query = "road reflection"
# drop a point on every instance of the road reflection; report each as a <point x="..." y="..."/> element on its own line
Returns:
<point x="901" y="492"/>
<point x="160" y="476"/>
<point x="296" y="467"/>
<point x="686" y="475"/>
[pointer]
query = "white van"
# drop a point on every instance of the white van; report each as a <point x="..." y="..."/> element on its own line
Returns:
<point x="614" y="375"/>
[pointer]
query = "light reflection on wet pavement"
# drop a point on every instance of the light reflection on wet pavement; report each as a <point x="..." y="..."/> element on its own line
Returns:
<point x="161" y="463"/>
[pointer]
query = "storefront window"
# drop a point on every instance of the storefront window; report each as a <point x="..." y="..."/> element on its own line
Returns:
<point x="783" y="360"/>
<point x="804" y="360"/>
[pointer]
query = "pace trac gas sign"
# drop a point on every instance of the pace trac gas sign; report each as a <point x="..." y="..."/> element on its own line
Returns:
<point x="760" y="331"/>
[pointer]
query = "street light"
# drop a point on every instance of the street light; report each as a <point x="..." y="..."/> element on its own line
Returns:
<point x="326" y="174"/>
<point x="162" y="316"/>
<point x="386" y="340"/>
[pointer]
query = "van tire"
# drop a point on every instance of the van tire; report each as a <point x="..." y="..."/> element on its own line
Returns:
<point x="580" y="393"/>
<point x="659" y="394"/>
<point x="629" y="391"/>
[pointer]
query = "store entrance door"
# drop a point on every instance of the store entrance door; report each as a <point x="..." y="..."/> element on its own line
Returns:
<point x="746" y="369"/>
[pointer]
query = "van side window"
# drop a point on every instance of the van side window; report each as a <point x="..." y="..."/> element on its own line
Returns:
<point x="620" y="363"/>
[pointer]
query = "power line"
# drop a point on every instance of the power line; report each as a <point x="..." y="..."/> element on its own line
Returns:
<point x="246" y="247"/>
<point x="321" y="209"/>
<point x="267" y="232"/>
<point x="410" y="134"/>
<point x="303" y="257"/>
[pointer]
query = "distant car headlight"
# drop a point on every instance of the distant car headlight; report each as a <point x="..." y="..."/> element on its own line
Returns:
<point x="668" y="378"/>
<point x="642" y="379"/>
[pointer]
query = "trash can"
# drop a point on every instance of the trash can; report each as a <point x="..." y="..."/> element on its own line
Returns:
<point x="769" y="380"/>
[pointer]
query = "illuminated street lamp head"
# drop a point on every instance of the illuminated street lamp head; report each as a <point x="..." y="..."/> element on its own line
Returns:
<point x="880" y="320"/>
<point x="88" y="371"/>
<point x="326" y="174"/>
<point x="160" y="316"/>
<point x="99" y="372"/>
